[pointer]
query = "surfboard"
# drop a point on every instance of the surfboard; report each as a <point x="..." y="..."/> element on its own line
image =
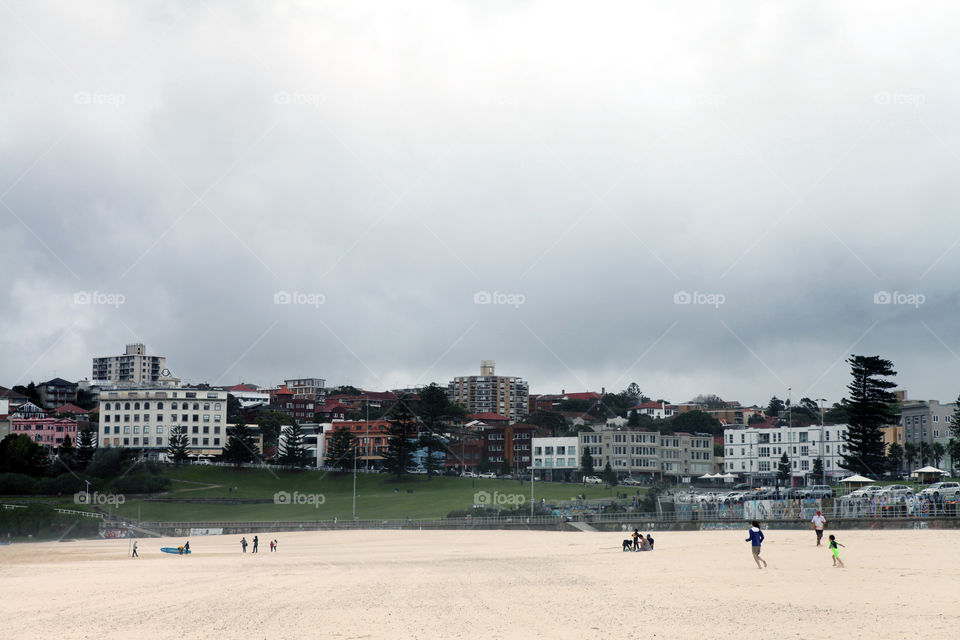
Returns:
<point x="173" y="550"/>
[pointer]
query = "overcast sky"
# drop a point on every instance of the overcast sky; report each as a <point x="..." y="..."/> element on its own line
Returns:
<point x="174" y="172"/>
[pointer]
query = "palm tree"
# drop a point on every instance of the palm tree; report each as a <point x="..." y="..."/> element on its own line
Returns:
<point x="938" y="451"/>
<point x="925" y="453"/>
<point x="910" y="454"/>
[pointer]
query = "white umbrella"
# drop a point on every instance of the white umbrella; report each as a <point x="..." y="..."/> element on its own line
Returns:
<point x="706" y="476"/>
<point x="857" y="479"/>
<point x="929" y="469"/>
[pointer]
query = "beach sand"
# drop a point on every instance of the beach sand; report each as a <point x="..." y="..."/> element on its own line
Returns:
<point x="486" y="584"/>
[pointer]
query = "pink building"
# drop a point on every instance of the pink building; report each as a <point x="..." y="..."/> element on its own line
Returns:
<point x="46" y="431"/>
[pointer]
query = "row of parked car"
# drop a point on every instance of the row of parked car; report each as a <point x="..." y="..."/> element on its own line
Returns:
<point x="762" y="493"/>
<point x="937" y="491"/>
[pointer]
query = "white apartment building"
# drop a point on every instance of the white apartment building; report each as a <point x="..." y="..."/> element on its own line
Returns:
<point x="556" y="458"/>
<point x="313" y="440"/>
<point x="141" y="417"/>
<point x="633" y="452"/>
<point x="133" y="366"/>
<point x="755" y="452"/>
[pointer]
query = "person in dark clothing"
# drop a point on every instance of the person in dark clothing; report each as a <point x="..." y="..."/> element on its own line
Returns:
<point x="255" y="543"/>
<point x="186" y="547"/>
<point x="135" y="551"/>
<point x="650" y="540"/>
<point x="243" y="543"/>
<point x="636" y="540"/>
<point x="755" y="540"/>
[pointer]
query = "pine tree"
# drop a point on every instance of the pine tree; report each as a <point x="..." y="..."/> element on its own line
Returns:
<point x="868" y="410"/>
<point x="783" y="469"/>
<point x="341" y="452"/>
<point x="66" y="447"/>
<point x="241" y="446"/>
<point x="177" y="446"/>
<point x="817" y="472"/>
<point x="609" y="475"/>
<point x="586" y="462"/>
<point x="399" y="454"/>
<point x="86" y="446"/>
<point x="955" y="420"/>
<point x="292" y="451"/>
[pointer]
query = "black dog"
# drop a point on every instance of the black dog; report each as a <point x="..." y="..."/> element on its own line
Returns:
<point x="628" y="545"/>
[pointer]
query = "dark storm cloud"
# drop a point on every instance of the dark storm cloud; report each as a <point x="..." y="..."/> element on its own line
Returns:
<point x="695" y="199"/>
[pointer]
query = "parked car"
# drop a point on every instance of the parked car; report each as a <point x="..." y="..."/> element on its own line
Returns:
<point x="944" y="490"/>
<point x="742" y="486"/>
<point x="487" y="474"/>
<point x="468" y="474"/>
<point x="818" y="491"/>
<point x="630" y="482"/>
<point x="866" y="492"/>
<point x="896" y="491"/>
<point x="592" y="480"/>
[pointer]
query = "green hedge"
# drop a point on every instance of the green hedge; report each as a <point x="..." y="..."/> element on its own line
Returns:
<point x="41" y="521"/>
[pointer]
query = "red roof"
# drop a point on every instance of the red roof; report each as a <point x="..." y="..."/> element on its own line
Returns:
<point x="71" y="408"/>
<point x="283" y="391"/>
<point x="489" y="417"/>
<point x="243" y="386"/>
<point x="651" y="405"/>
<point x="583" y="395"/>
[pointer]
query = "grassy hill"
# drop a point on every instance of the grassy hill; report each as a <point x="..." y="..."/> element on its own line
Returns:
<point x="378" y="495"/>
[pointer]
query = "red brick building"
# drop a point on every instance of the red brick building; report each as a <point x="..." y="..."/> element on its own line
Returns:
<point x="371" y="435"/>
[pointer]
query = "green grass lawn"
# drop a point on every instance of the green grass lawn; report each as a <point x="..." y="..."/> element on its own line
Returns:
<point x="378" y="495"/>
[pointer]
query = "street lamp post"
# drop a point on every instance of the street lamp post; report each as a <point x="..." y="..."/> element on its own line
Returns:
<point x="355" y="480"/>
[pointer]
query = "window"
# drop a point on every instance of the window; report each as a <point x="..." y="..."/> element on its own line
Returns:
<point x="216" y="406"/>
<point x="106" y="418"/>
<point x="126" y="429"/>
<point x="159" y="406"/>
<point x="136" y="406"/>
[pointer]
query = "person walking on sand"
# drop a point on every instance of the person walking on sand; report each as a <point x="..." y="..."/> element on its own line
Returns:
<point x="275" y="544"/>
<point x="243" y="543"/>
<point x="636" y="540"/>
<point x="271" y="546"/>
<point x="755" y="540"/>
<point x="819" y="522"/>
<point x="256" y="542"/>
<point x="837" y="562"/>
<point x="134" y="551"/>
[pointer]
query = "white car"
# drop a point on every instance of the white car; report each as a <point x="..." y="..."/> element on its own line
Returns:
<point x="866" y="492"/>
<point x="896" y="491"/>
<point x="488" y="474"/>
<point x="468" y="474"/>
<point x="945" y="490"/>
<point x="593" y="480"/>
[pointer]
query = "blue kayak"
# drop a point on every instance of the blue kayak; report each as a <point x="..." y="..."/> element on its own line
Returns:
<point x="174" y="550"/>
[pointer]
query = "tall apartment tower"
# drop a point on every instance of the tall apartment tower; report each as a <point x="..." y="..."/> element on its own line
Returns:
<point x="489" y="393"/>
<point x="133" y="366"/>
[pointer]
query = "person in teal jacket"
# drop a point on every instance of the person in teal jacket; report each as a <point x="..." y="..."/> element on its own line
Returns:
<point x="755" y="540"/>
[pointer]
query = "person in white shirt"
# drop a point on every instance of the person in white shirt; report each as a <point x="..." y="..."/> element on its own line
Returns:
<point x="819" y="522"/>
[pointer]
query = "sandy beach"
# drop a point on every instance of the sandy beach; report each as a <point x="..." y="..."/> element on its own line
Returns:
<point x="485" y="584"/>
